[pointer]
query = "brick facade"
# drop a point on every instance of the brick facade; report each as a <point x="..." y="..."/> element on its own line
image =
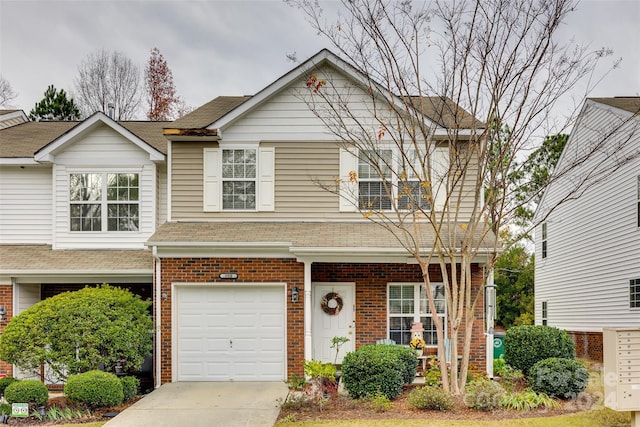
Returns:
<point x="371" y="296"/>
<point x="588" y="345"/>
<point x="6" y="301"/>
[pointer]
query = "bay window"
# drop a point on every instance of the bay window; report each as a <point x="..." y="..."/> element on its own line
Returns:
<point x="408" y="303"/>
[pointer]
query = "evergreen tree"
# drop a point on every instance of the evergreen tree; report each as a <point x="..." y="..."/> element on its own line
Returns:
<point x="55" y="106"/>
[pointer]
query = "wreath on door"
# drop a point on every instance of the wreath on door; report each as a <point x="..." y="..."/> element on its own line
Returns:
<point x="331" y="303"/>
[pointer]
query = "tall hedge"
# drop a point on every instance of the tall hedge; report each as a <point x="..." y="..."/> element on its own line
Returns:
<point x="79" y="331"/>
<point x="526" y="345"/>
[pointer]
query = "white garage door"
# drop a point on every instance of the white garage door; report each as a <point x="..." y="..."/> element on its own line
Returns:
<point x="230" y="333"/>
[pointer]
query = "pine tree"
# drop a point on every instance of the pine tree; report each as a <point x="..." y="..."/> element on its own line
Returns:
<point x="55" y="106"/>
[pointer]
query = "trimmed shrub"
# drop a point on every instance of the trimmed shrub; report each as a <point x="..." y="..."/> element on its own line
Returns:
<point x="557" y="377"/>
<point x="5" y="382"/>
<point x="371" y="370"/>
<point x="406" y="355"/>
<point x="526" y="345"/>
<point x="431" y="398"/>
<point x="95" y="388"/>
<point x="27" y="391"/>
<point x="483" y="394"/>
<point x="130" y="387"/>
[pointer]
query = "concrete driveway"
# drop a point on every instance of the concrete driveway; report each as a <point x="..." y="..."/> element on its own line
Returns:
<point x="206" y="404"/>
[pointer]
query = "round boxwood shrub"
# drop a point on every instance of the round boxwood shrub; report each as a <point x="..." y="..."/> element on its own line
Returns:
<point x="405" y="355"/>
<point x="95" y="388"/>
<point x="526" y="345"/>
<point x="130" y="387"/>
<point x="372" y="370"/>
<point x="432" y="398"/>
<point x="557" y="377"/>
<point x="27" y="391"/>
<point x="5" y="382"/>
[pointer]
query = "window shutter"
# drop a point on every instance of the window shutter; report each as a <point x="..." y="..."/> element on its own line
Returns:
<point x="440" y="169"/>
<point x="348" y="189"/>
<point x="266" y="178"/>
<point x="211" y="175"/>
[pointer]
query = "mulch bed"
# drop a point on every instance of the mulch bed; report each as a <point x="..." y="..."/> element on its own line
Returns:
<point x="343" y="408"/>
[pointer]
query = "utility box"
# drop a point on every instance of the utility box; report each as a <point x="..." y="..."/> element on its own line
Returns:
<point x="621" y="351"/>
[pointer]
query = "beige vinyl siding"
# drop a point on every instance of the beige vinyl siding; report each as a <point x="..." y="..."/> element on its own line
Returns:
<point x="161" y="192"/>
<point x="25" y="204"/>
<point x="463" y="195"/>
<point x="299" y="168"/>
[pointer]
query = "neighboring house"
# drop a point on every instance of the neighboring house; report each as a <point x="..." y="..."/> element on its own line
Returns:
<point x="78" y="200"/>
<point x="10" y="118"/>
<point x="254" y="251"/>
<point x="252" y="266"/>
<point x="587" y="272"/>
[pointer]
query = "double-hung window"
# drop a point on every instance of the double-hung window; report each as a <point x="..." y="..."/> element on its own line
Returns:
<point x="104" y="202"/>
<point x="634" y="293"/>
<point x="408" y="303"/>
<point x="239" y="179"/>
<point x="544" y="240"/>
<point x="374" y="180"/>
<point x="412" y="194"/>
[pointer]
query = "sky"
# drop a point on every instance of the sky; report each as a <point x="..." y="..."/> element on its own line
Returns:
<point x="229" y="47"/>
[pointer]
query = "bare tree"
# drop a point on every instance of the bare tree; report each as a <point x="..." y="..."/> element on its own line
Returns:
<point x="6" y="93"/>
<point x="161" y="92"/>
<point x="108" y="79"/>
<point x="454" y="93"/>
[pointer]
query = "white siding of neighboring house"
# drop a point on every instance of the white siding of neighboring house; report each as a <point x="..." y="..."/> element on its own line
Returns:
<point x="104" y="150"/>
<point x="25" y="204"/>
<point x="593" y="242"/>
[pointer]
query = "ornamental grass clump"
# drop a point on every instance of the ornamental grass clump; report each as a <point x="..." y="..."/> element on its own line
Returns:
<point x="431" y="398"/>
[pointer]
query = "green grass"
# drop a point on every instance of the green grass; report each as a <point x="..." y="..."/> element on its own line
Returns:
<point x="582" y="419"/>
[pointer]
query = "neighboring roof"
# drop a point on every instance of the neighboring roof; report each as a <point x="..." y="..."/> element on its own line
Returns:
<point x="26" y="139"/>
<point x="445" y="112"/>
<point x="628" y="103"/>
<point x="42" y="259"/>
<point x="334" y="235"/>
<point x="10" y="118"/>
<point x="208" y="113"/>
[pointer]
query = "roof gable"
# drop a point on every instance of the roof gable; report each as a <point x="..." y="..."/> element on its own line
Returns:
<point x="47" y="153"/>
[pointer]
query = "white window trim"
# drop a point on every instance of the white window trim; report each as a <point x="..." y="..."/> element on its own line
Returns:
<point x="349" y="190"/>
<point x="104" y="203"/>
<point x="544" y="313"/>
<point x="416" y="307"/>
<point x="544" y="245"/>
<point x="633" y="309"/>
<point x="213" y="180"/>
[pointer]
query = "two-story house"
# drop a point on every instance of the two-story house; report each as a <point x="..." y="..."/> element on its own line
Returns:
<point x="587" y="243"/>
<point x="223" y="217"/>
<point x="78" y="200"/>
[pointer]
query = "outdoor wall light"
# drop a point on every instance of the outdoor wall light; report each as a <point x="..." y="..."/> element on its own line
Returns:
<point x="295" y="292"/>
<point x="3" y="313"/>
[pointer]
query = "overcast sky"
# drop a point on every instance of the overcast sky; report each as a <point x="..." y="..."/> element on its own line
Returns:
<point x="227" y="47"/>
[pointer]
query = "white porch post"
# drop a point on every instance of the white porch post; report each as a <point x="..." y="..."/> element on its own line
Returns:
<point x="307" y="311"/>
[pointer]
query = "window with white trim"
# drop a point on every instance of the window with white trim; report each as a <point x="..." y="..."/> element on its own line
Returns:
<point x="104" y="202"/>
<point x="544" y="240"/>
<point x="634" y="293"/>
<point x="408" y="303"/>
<point x="545" y="312"/>
<point x="239" y="179"/>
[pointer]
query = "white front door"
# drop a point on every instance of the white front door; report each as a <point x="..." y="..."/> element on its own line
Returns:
<point x="334" y="315"/>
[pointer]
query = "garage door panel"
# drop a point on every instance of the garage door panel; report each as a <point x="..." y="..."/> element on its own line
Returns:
<point x="227" y="333"/>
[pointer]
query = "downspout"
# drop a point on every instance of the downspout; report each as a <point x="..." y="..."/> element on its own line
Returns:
<point x="157" y="302"/>
<point x="490" y="302"/>
<point x="307" y="311"/>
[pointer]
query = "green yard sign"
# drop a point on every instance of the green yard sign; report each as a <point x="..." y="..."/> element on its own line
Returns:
<point x="20" y="410"/>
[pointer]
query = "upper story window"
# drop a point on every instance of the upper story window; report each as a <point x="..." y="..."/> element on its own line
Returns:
<point x="378" y="185"/>
<point x="408" y="303"/>
<point x="239" y="179"/>
<point x="545" y="312"/>
<point x="544" y="240"/>
<point x="104" y="202"/>
<point x="634" y="293"/>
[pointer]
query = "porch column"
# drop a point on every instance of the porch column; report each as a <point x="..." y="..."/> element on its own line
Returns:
<point x="307" y="311"/>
